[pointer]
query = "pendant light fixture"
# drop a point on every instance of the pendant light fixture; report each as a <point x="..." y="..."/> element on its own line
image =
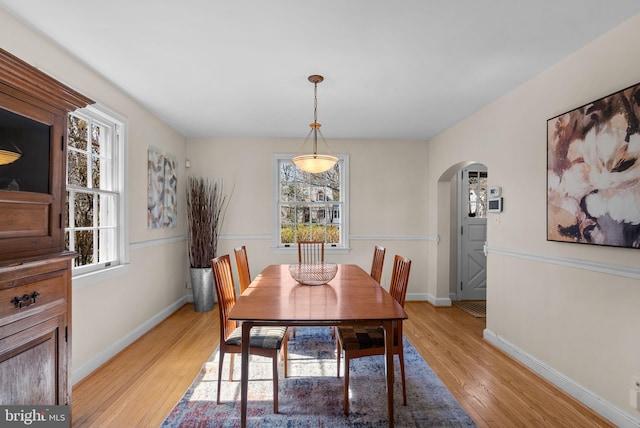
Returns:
<point x="315" y="163"/>
<point x="9" y="152"/>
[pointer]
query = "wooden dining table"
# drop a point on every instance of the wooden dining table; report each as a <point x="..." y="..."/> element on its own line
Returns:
<point x="352" y="297"/>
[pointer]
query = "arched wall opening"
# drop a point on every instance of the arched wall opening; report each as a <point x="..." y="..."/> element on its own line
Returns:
<point x="447" y="214"/>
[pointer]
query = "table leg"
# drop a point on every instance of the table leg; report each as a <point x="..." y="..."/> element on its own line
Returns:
<point x="388" y="354"/>
<point x="244" y="380"/>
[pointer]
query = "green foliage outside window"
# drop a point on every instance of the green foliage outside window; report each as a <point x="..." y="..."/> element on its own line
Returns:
<point x="310" y="233"/>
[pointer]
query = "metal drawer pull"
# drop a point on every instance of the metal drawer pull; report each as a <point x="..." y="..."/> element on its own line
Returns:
<point x="26" y="300"/>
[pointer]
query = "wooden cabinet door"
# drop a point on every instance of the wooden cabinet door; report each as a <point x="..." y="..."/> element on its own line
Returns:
<point x="33" y="365"/>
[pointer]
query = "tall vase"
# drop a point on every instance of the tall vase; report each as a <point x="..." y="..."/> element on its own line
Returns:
<point x="203" y="289"/>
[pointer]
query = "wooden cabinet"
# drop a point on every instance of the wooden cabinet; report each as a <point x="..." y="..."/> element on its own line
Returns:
<point x="35" y="298"/>
<point x="35" y="270"/>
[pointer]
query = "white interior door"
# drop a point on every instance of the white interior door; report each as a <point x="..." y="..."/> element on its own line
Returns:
<point x="473" y="233"/>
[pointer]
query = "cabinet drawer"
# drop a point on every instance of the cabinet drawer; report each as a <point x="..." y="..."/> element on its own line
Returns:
<point x="25" y="300"/>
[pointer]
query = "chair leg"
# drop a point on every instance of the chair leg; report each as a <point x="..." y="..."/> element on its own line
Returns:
<point x="333" y="333"/>
<point x="275" y="382"/>
<point x="404" y="388"/>
<point x="231" y="362"/>
<point x="346" y="384"/>
<point x="338" y="353"/>
<point x="285" y="341"/>
<point x="220" y="363"/>
<point x="284" y="356"/>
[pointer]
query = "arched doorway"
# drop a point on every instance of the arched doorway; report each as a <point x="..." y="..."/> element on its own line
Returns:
<point x="448" y="228"/>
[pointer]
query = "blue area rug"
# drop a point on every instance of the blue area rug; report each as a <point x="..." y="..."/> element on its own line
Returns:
<point x="312" y="394"/>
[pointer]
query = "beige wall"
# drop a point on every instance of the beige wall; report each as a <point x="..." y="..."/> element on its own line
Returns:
<point x="569" y="311"/>
<point x="107" y="310"/>
<point x="388" y="199"/>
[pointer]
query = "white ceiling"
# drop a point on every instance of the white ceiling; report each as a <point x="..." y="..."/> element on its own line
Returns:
<point x="401" y="69"/>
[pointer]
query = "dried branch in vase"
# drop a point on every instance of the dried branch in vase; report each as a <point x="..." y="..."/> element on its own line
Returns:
<point x="206" y="209"/>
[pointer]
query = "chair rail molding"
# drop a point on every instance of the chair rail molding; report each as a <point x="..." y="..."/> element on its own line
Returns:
<point x="154" y="242"/>
<point x="394" y="238"/>
<point x="606" y="268"/>
<point x="355" y="237"/>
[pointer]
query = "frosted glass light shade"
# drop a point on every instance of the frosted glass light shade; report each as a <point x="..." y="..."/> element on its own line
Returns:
<point x="315" y="163"/>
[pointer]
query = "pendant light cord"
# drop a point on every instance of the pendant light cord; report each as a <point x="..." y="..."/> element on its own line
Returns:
<point x="315" y="119"/>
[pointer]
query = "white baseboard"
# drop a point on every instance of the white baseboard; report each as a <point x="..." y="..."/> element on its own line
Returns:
<point x="435" y="301"/>
<point x="439" y="301"/>
<point x="79" y="373"/>
<point x="604" y="408"/>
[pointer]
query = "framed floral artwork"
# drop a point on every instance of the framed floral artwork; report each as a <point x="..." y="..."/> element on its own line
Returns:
<point x="593" y="172"/>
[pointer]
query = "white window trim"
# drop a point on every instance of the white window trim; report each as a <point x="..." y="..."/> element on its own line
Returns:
<point x="344" y="248"/>
<point x="83" y="277"/>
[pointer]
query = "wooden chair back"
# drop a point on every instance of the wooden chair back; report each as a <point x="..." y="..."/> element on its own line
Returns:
<point x="244" y="277"/>
<point x="226" y="292"/>
<point x="367" y="341"/>
<point x="311" y="252"/>
<point x="378" y="261"/>
<point x="400" y="279"/>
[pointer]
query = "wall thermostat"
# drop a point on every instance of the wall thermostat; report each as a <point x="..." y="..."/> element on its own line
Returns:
<point x="494" y="205"/>
<point x="495" y="192"/>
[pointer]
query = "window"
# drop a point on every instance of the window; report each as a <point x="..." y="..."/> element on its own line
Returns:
<point x="95" y="182"/>
<point x="311" y="207"/>
<point x="477" y="197"/>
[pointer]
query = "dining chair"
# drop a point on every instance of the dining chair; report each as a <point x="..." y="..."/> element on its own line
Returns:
<point x="311" y="252"/>
<point x="365" y="341"/>
<point x="244" y="276"/>
<point x="378" y="261"/>
<point x="265" y="341"/>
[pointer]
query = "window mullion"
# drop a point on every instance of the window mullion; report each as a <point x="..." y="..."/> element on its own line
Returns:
<point x="96" y="216"/>
<point x="72" y="220"/>
<point x="88" y="154"/>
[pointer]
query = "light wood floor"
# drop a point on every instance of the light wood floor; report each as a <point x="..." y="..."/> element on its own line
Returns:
<point x="139" y="386"/>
